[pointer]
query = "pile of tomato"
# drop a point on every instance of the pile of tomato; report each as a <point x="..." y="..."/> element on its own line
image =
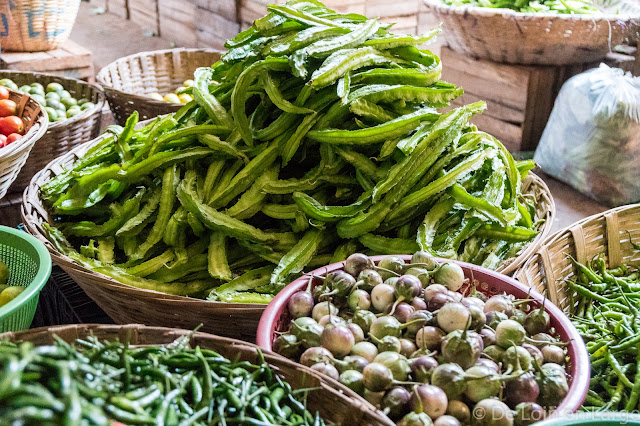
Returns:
<point x="11" y="126"/>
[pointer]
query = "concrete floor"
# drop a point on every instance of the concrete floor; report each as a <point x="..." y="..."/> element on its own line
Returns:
<point x="110" y="37"/>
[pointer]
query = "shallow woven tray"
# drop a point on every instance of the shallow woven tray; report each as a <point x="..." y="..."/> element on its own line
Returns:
<point x="608" y="233"/>
<point x="14" y="156"/>
<point x="129" y="81"/>
<point x="64" y="135"/>
<point x="503" y="35"/>
<point x="334" y="402"/>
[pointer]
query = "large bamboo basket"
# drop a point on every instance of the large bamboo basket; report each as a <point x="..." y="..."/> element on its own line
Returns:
<point x="127" y="304"/>
<point x="129" y="81"/>
<point x="506" y="36"/>
<point x="63" y="135"/>
<point x="334" y="402"/>
<point x="14" y="156"/>
<point x="609" y="233"/>
<point x="36" y="25"/>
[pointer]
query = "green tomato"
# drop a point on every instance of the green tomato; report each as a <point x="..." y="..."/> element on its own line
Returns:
<point x="56" y="104"/>
<point x="4" y="273"/>
<point x="52" y="95"/>
<point x="38" y="85"/>
<point x="69" y="102"/>
<point x="65" y="94"/>
<point x="71" y="112"/>
<point x="54" y="87"/>
<point x="24" y="89"/>
<point x="35" y="90"/>
<point x="172" y="97"/>
<point x="188" y="83"/>
<point x="87" y="105"/>
<point x="52" y="113"/>
<point x="83" y="101"/>
<point x="62" y="115"/>
<point x="40" y="99"/>
<point x="8" y="83"/>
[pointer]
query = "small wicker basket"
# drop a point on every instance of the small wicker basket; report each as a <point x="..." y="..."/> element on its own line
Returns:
<point x="335" y="403"/>
<point x="607" y="233"/>
<point x="506" y="36"/>
<point x="36" y="25"/>
<point x="14" y="156"/>
<point x="61" y="136"/>
<point x="129" y="81"/>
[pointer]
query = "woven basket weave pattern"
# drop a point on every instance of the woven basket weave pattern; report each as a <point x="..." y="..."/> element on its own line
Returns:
<point x="129" y="81"/>
<point x="14" y="156"/>
<point x="61" y="136"/>
<point x="504" y="36"/>
<point x="608" y="233"/>
<point x="333" y="401"/>
<point x="36" y="25"/>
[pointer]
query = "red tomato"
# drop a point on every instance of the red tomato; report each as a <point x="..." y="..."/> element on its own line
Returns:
<point x="3" y="141"/>
<point x="13" y="137"/>
<point x="8" y="107"/>
<point x="4" y="92"/>
<point x="11" y="124"/>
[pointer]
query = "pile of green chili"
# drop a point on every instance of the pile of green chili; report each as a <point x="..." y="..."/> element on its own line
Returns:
<point x="568" y="7"/>
<point x="315" y="136"/>
<point x="604" y="309"/>
<point x="96" y="383"/>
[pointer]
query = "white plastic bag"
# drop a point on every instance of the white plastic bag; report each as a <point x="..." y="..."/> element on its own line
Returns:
<point x="592" y="139"/>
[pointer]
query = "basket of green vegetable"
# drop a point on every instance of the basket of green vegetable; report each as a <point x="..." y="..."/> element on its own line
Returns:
<point x="74" y="108"/>
<point x="146" y="81"/>
<point x="590" y="270"/>
<point x="108" y="375"/>
<point x="421" y="336"/>
<point x="547" y="32"/>
<point x="270" y="172"/>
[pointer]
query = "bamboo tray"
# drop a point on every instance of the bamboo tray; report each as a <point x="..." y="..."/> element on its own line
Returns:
<point x="609" y="233"/>
<point x="333" y="401"/>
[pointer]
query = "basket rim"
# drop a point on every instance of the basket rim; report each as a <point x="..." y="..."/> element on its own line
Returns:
<point x="41" y="278"/>
<point x="271" y="358"/>
<point x="580" y="379"/>
<point x="552" y="239"/>
<point x="509" y="266"/>
<point x="101" y="76"/>
<point x="72" y="120"/>
<point x="487" y="12"/>
<point x="35" y="132"/>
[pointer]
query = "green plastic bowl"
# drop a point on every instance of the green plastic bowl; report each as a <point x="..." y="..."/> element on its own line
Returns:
<point x="29" y="266"/>
<point x="601" y="419"/>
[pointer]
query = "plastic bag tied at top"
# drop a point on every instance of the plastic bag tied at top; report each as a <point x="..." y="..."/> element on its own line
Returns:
<point x="592" y="139"/>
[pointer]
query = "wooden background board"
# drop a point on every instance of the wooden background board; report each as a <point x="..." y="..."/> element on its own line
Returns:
<point x="70" y="60"/>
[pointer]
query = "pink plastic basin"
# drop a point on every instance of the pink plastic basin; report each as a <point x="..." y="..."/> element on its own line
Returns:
<point x="276" y="318"/>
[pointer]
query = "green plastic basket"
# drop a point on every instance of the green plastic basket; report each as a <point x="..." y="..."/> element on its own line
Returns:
<point x="29" y="266"/>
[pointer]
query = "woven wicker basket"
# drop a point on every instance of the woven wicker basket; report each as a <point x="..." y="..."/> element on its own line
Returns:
<point x="36" y="25"/>
<point x="14" y="156"/>
<point x="607" y="233"/>
<point x="126" y="304"/>
<point x="61" y="136"/>
<point x="334" y="402"/>
<point x="502" y="35"/>
<point x="129" y="81"/>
